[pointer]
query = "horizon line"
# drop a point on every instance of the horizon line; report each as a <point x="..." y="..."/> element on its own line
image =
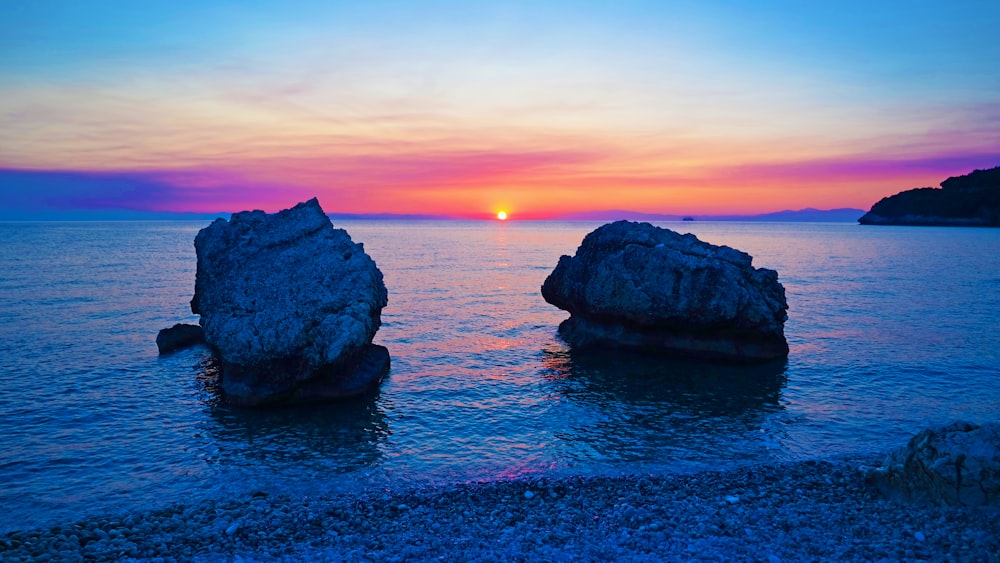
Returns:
<point x="807" y="214"/>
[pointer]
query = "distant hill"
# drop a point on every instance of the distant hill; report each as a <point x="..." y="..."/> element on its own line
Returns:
<point x="839" y="215"/>
<point x="616" y="215"/>
<point x="970" y="200"/>
<point x="387" y="217"/>
<point x="842" y="215"/>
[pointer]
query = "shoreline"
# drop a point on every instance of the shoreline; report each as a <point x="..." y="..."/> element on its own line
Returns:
<point x="785" y="511"/>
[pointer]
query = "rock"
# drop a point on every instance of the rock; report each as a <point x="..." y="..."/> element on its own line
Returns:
<point x="633" y="285"/>
<point x="179" y="336"/>
<point x="956" y="464"/>
<point x="289" y="305"/>
<point x="355" y="378"/>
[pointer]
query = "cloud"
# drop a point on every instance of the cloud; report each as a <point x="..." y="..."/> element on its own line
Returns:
<point x="70" y="194"/>
<point x="452" y="181"/>
<point x="39" y="190"/>
<point x="348" y="183"/>
<point x="866" y="167"/>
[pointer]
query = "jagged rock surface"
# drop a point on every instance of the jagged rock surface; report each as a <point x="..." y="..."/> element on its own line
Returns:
<point x="289" y="304"/>
<point x="634" y="285"/>
<point x="957" y="464"/>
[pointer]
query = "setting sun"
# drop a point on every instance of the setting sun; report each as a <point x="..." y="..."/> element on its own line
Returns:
<point x="502" y="215"/>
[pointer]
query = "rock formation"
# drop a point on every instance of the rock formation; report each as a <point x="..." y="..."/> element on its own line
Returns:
<point x="290" y="306"/>
<point x="179" y="336"/>
<point x="633" y="285"/>
<point x="971" y="200"/>
<point x="957" y="464"/>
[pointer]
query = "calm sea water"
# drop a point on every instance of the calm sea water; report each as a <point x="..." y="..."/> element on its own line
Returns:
<point x="890" y="328"/>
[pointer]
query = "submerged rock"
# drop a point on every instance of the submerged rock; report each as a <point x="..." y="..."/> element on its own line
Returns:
<point x="290" y="306"/>
<point x="956" y="464"/>
<point x="634" y="285"/>
<point x="179" y="336"/>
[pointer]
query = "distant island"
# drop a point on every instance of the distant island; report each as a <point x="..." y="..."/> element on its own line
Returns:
<point x="842" y="215"/>
<point x="970" y="200"/>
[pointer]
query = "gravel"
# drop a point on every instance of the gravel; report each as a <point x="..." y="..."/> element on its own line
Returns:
<point x="797" y="511"/>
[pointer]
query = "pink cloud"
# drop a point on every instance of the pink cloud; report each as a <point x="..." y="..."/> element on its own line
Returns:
<point x="865" y="167"/>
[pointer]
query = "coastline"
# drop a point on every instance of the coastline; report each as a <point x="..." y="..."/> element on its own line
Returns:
<point x="788" y="511"/>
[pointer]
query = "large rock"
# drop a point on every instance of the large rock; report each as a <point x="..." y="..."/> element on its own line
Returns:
<point x="633" y="285"/>
<point x="957" y="464"/>
<point x="290" y="306"/>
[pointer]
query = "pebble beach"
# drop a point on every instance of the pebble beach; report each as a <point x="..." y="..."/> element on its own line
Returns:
<point x="795" y="511"/>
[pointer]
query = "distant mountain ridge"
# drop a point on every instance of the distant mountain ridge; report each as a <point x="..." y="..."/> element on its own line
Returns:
<point x="388" y="217"/>
<point x="842" y="215"/>
<point x="969" y="200"/>
<point x="809" y="214"/>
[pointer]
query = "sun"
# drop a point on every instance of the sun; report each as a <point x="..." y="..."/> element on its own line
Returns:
<point x="502" y="215"/>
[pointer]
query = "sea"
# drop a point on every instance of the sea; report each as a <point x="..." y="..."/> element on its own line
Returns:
<point x="891" y="329"/>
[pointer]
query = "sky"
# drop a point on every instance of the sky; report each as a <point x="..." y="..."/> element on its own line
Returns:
<point x="466" y="108"/>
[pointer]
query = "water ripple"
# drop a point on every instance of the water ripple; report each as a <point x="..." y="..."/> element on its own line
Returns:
<point x="889" y="330"/>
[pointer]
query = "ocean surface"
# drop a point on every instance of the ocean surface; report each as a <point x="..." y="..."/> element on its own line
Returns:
<point x="891" y="329"/>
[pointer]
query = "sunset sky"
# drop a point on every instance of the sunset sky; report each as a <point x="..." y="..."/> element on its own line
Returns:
<point x="466" y="108"/>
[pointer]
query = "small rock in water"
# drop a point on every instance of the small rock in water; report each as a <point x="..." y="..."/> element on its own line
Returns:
<point x="529" y="495"/>
<point x="920" y="536"/>
<point x="732" y="499"/>
<point x="773" y="559"/>
<point x="232" y="528"/>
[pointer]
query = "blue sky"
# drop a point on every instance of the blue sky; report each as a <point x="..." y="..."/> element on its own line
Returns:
<point x="535" y="107"/>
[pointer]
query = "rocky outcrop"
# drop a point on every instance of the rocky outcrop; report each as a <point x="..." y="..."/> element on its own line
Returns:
<point x="633" y="285"/>
<point x="179" y="336"/>
<point x="290" y="306"/>
<point x="972" y="200"/>
<point x="957" y="464"/>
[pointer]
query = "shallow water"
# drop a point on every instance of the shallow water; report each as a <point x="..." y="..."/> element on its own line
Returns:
<point x="890" y="329"/>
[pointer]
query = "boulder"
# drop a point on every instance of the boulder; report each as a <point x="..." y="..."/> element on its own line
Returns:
<point x="289" y="305"/>
<point x="179" y="336"/>
<point x="956" y="464"/>
<point x="637" y="286"/>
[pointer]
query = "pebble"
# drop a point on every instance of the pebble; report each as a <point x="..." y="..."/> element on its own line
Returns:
<point x="598" y="518"/>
